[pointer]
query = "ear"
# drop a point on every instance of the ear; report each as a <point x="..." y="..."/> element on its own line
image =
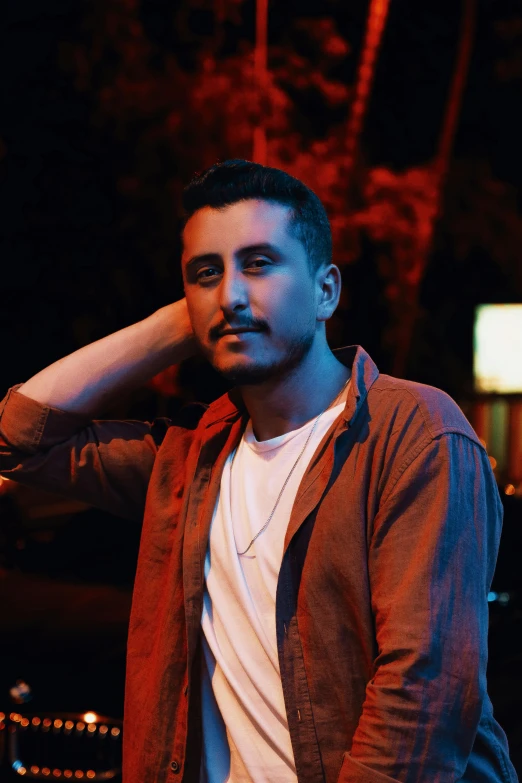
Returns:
<point x="330" y="283"/>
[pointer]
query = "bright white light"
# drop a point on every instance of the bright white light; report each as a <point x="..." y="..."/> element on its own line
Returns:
<point x="497" y="354"/>
<point x="90" y="717"/>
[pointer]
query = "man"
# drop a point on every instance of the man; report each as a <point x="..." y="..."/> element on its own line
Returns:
<point x="318" y="544"/>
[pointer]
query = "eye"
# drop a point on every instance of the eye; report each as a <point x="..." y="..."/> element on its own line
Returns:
<point x="202" y="272"/>
<point x="257" y="261"/>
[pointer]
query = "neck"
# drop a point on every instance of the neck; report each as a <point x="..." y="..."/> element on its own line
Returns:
<point x="285" y="404"/>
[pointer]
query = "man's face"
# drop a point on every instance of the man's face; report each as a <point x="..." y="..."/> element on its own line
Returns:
<point x="242" y="269"/>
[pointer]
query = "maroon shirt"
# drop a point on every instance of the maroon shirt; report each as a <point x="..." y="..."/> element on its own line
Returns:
<point x="381" y="608"/>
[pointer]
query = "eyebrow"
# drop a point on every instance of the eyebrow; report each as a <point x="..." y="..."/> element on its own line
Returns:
<point x="262" y="247"/>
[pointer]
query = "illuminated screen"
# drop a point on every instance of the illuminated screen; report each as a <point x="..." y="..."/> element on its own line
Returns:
<point x="497" y="350"/>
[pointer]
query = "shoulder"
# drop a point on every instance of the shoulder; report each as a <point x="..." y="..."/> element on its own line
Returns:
<point x="425" y="409"/>
<point x="189" y="415"/>
<point x="185" y="423"/>
<point x="415" y="424"/>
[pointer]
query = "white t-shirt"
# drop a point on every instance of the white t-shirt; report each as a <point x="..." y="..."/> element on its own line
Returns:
<point x="245" y="728"/>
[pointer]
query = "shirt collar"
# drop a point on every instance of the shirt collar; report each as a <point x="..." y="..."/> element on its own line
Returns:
<point x="230" y="406"/>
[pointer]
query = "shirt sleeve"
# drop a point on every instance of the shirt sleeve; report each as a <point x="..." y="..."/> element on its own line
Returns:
<point x="106" y="464"/>
<point x="432" y="556"/>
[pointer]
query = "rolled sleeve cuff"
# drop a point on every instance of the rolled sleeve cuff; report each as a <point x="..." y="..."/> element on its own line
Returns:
<point x="353" y="771"/>
<point x="27" y="425"/>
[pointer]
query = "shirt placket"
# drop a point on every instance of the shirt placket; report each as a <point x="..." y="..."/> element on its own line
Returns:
<point x="298" y="704"/>
<point x="307" y="754"/>
<point x="203" y="496"/>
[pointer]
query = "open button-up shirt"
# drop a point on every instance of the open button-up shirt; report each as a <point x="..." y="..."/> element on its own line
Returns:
<point x="381" y="609"/>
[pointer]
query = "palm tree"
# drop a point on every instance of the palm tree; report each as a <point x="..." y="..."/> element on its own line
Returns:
<point x="454" y="103"/>
<point x="439" y="171"/>
<point x="260" y="152"/>
<point x="376" y="24"/>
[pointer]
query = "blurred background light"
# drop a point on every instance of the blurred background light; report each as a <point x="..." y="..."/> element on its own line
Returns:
<point x="498" y="348"/>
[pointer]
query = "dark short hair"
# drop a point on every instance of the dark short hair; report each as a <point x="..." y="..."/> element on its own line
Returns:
<point x="238" y="180"/>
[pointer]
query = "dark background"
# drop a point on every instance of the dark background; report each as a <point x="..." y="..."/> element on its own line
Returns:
<point x="105" y="115"/>
<point x="90" y="189"/>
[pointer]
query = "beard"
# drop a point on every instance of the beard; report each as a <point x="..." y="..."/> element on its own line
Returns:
<point x="258" y="373"/>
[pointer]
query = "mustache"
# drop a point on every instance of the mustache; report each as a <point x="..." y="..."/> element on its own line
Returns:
<point x="217" y="331"/>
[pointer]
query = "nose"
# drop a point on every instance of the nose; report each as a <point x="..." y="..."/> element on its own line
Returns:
<point x="232" y="292"/>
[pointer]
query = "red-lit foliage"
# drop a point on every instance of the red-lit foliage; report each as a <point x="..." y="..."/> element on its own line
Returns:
<point x="174" y="119"/>
<point x="398" y="215"/>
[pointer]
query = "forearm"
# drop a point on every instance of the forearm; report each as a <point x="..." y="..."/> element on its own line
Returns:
<point x="91" y="378"/>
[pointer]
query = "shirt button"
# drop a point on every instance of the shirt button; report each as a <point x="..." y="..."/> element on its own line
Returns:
<point x="174" y="765"/>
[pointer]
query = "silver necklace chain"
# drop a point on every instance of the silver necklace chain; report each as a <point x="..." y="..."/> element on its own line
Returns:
<point x="288" y="477"/>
